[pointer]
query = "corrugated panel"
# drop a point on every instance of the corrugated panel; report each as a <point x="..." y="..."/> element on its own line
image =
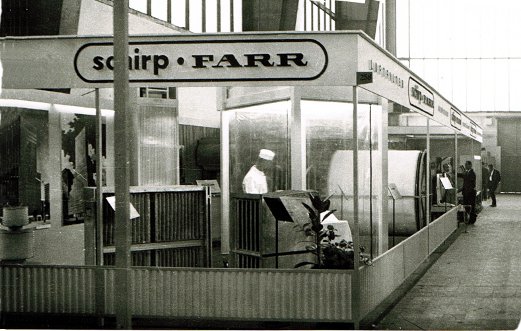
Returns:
<point x="47" y="290"/>
<point x="442" y="228"/>
<point x="415" y="250"/>
<point x="238" y="294"/>
<point x="380" y="279"/>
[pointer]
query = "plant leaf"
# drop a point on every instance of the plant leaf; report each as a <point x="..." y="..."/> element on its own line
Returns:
<point x="312" y="214"/>
<point x="327" y="215"/>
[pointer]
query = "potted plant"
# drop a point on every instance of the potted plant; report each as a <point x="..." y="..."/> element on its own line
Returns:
<point x="329" y="253"/>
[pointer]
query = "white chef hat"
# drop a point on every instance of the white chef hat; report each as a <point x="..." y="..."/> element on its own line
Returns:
<point x="266" y="154"/>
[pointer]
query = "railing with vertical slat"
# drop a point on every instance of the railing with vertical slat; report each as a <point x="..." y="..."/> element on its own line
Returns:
<point x="171" y="218"/>
<point x="246" y="217"/>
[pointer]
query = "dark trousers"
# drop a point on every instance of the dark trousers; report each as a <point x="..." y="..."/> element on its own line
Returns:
<point x="469" y="199"/>
<point x="493" y="196"/>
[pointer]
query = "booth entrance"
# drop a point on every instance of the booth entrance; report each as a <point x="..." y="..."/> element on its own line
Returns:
<point x="343" y="119"/>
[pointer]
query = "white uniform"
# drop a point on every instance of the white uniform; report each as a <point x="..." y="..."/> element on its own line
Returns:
<point x="255" y="182"/>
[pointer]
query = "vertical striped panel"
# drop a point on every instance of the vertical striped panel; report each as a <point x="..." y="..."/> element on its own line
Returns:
<point x="141" y="225"/>
<point x="179" y="257"/>
<point x="47" y="290"/>
<point x="442" y="228"/>
<point x="180" y="216"/>
<point x="256" y="294"/>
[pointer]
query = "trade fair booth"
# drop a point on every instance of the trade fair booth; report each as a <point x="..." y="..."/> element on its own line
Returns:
<point x="337" y="117"/>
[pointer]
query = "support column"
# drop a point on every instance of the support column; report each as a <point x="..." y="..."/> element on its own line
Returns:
<point x="390" y="26"/>
<point x="297" y="142"/>
<point x="383" y="220"/>
<point x="225" y="182"/>
<point x="355" y="283"/>
<point x="123" y="142"/>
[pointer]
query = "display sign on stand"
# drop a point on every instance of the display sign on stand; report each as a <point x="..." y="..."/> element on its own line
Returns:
<point x="286" y="206"/>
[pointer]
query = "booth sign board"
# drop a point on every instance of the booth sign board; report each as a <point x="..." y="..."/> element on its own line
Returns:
<point x="183" y="60"/>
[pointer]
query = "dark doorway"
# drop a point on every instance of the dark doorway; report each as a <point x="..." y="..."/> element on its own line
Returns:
<point x="509" y="138"/>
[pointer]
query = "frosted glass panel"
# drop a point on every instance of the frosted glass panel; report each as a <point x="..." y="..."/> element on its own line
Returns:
<point x="459" y="86"/>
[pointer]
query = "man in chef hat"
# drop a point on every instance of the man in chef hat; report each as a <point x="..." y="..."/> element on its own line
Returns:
<point x="255" y="181"/>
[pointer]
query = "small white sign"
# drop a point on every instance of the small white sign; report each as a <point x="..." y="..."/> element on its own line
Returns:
<point x="133" y="212"/>
<point x="446" y="183"/>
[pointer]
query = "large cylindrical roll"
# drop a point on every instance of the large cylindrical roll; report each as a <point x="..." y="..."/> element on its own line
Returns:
<point x="403" y="171"/>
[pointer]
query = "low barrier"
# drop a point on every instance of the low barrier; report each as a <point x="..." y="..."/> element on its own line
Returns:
<point x="241" y="294"/>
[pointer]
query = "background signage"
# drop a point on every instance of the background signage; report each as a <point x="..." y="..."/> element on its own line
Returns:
<point x="420" y="97"/>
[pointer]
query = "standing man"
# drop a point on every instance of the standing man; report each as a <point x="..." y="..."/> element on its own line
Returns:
<point x="484" y="181"/>
<point x="255" y="181"/>
<point x="493" y="180"/>
<point x="469" y="190"/>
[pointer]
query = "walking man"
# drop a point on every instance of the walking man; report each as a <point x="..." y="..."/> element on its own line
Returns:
<point x="493" y="181"/>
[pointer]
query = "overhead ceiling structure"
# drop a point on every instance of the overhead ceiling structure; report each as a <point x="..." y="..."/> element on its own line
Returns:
<point x="351" y="15"/>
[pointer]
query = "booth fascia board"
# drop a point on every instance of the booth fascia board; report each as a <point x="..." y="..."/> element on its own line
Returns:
<point x="396" y="82"/>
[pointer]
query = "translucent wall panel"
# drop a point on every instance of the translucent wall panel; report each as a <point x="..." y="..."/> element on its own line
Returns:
<point x="515" y="84"/>
<point x="252" y="129"/>
<point x="487" y="85"/>
<point x="500" y="78"/>
<point x="459" y="87"/>
<point x="473" y="79"/>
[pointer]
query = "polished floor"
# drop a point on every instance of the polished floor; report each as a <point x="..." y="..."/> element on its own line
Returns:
<point x="475" y="284"/>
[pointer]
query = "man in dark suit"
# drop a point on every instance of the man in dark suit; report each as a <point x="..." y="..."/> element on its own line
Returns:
<point x="469" y="190"/>
<point x="494" y="178"/>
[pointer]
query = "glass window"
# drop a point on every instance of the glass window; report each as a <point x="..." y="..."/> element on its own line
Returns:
<point x="159" y="9"/>
<point x="138" y="5"/>
<point x="225" y="15"/>
<point x="196" y="16"/>
<point x="179" y="13"/>
<point x="211" y="16"/>
<point x="515" y="84"/>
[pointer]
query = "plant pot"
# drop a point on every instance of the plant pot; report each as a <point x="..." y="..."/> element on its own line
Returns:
<point x="15" y="216"/>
